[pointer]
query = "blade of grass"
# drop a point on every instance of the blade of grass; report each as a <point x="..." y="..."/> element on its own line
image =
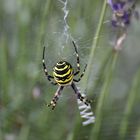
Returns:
<point x="24" y="133"/>
<point x="4" y="70"/>
<point x="130" y="102"/>
<point x="103" y="95"/>
<point x="101" y="73"/>
<point x="138" y="134"/>
<point x="1" y="137"/>
<point x="80" y="131"/>
<point x="40" y="37"/>
<point x="94" y="44"/>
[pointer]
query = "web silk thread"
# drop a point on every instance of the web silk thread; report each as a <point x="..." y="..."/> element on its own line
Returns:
<point x="66" y="26"/>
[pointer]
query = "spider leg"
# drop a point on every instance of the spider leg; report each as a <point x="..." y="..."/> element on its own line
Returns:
<point x="56" y="97"/>
<point x="78" y="60"/>
<point x="79" y="96"/>
<point x="45" y="69"/>
<point x="77" y="80"/>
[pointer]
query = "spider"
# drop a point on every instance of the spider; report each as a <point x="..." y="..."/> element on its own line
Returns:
<point x="63" y="75"/>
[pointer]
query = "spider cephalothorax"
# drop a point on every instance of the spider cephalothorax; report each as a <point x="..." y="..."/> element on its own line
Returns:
<point x="63" y="75"/>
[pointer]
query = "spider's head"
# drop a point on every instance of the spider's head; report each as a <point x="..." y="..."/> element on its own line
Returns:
<point x="63" y="73"/>
<point x="61" y="62"/>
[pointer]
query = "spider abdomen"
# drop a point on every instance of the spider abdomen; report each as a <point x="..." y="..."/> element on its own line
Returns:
<point x="63" y="73"/>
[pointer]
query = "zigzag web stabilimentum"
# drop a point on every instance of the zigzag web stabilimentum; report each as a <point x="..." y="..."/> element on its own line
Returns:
<point x="85" y="111"/>
<point x="65" y="36"/>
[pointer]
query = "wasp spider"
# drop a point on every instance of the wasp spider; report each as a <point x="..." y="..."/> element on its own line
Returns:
<point x="63" y="75"/>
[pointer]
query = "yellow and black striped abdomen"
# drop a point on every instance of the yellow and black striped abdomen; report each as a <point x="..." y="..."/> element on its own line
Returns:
<point x="63" y="73"/>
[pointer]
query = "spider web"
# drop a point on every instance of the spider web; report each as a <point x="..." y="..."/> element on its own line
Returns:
<point x="60" y="38"/>
<point x="85" y="111"/>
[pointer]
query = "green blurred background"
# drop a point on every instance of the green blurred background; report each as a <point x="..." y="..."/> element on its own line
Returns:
<point x="114" y="83"/>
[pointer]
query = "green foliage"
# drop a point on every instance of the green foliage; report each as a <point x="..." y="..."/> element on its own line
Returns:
<point x="112" y="78"/>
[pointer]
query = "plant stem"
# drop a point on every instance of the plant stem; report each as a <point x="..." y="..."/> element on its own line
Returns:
<point x="104" y="93"/>
<point x="130" y="102"/>
<point x="138" y="134"/>
<point x="95" y="44"/>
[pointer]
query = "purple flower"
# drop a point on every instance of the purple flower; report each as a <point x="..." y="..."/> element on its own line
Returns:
<point x="122" y="11"/>
<point x="116" y="6"/>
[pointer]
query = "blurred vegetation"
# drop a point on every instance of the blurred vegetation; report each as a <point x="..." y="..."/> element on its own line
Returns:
<point x="113" y="83"/>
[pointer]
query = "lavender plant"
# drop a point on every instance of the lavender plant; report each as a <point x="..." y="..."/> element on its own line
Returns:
<point x="122" y="13"/>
